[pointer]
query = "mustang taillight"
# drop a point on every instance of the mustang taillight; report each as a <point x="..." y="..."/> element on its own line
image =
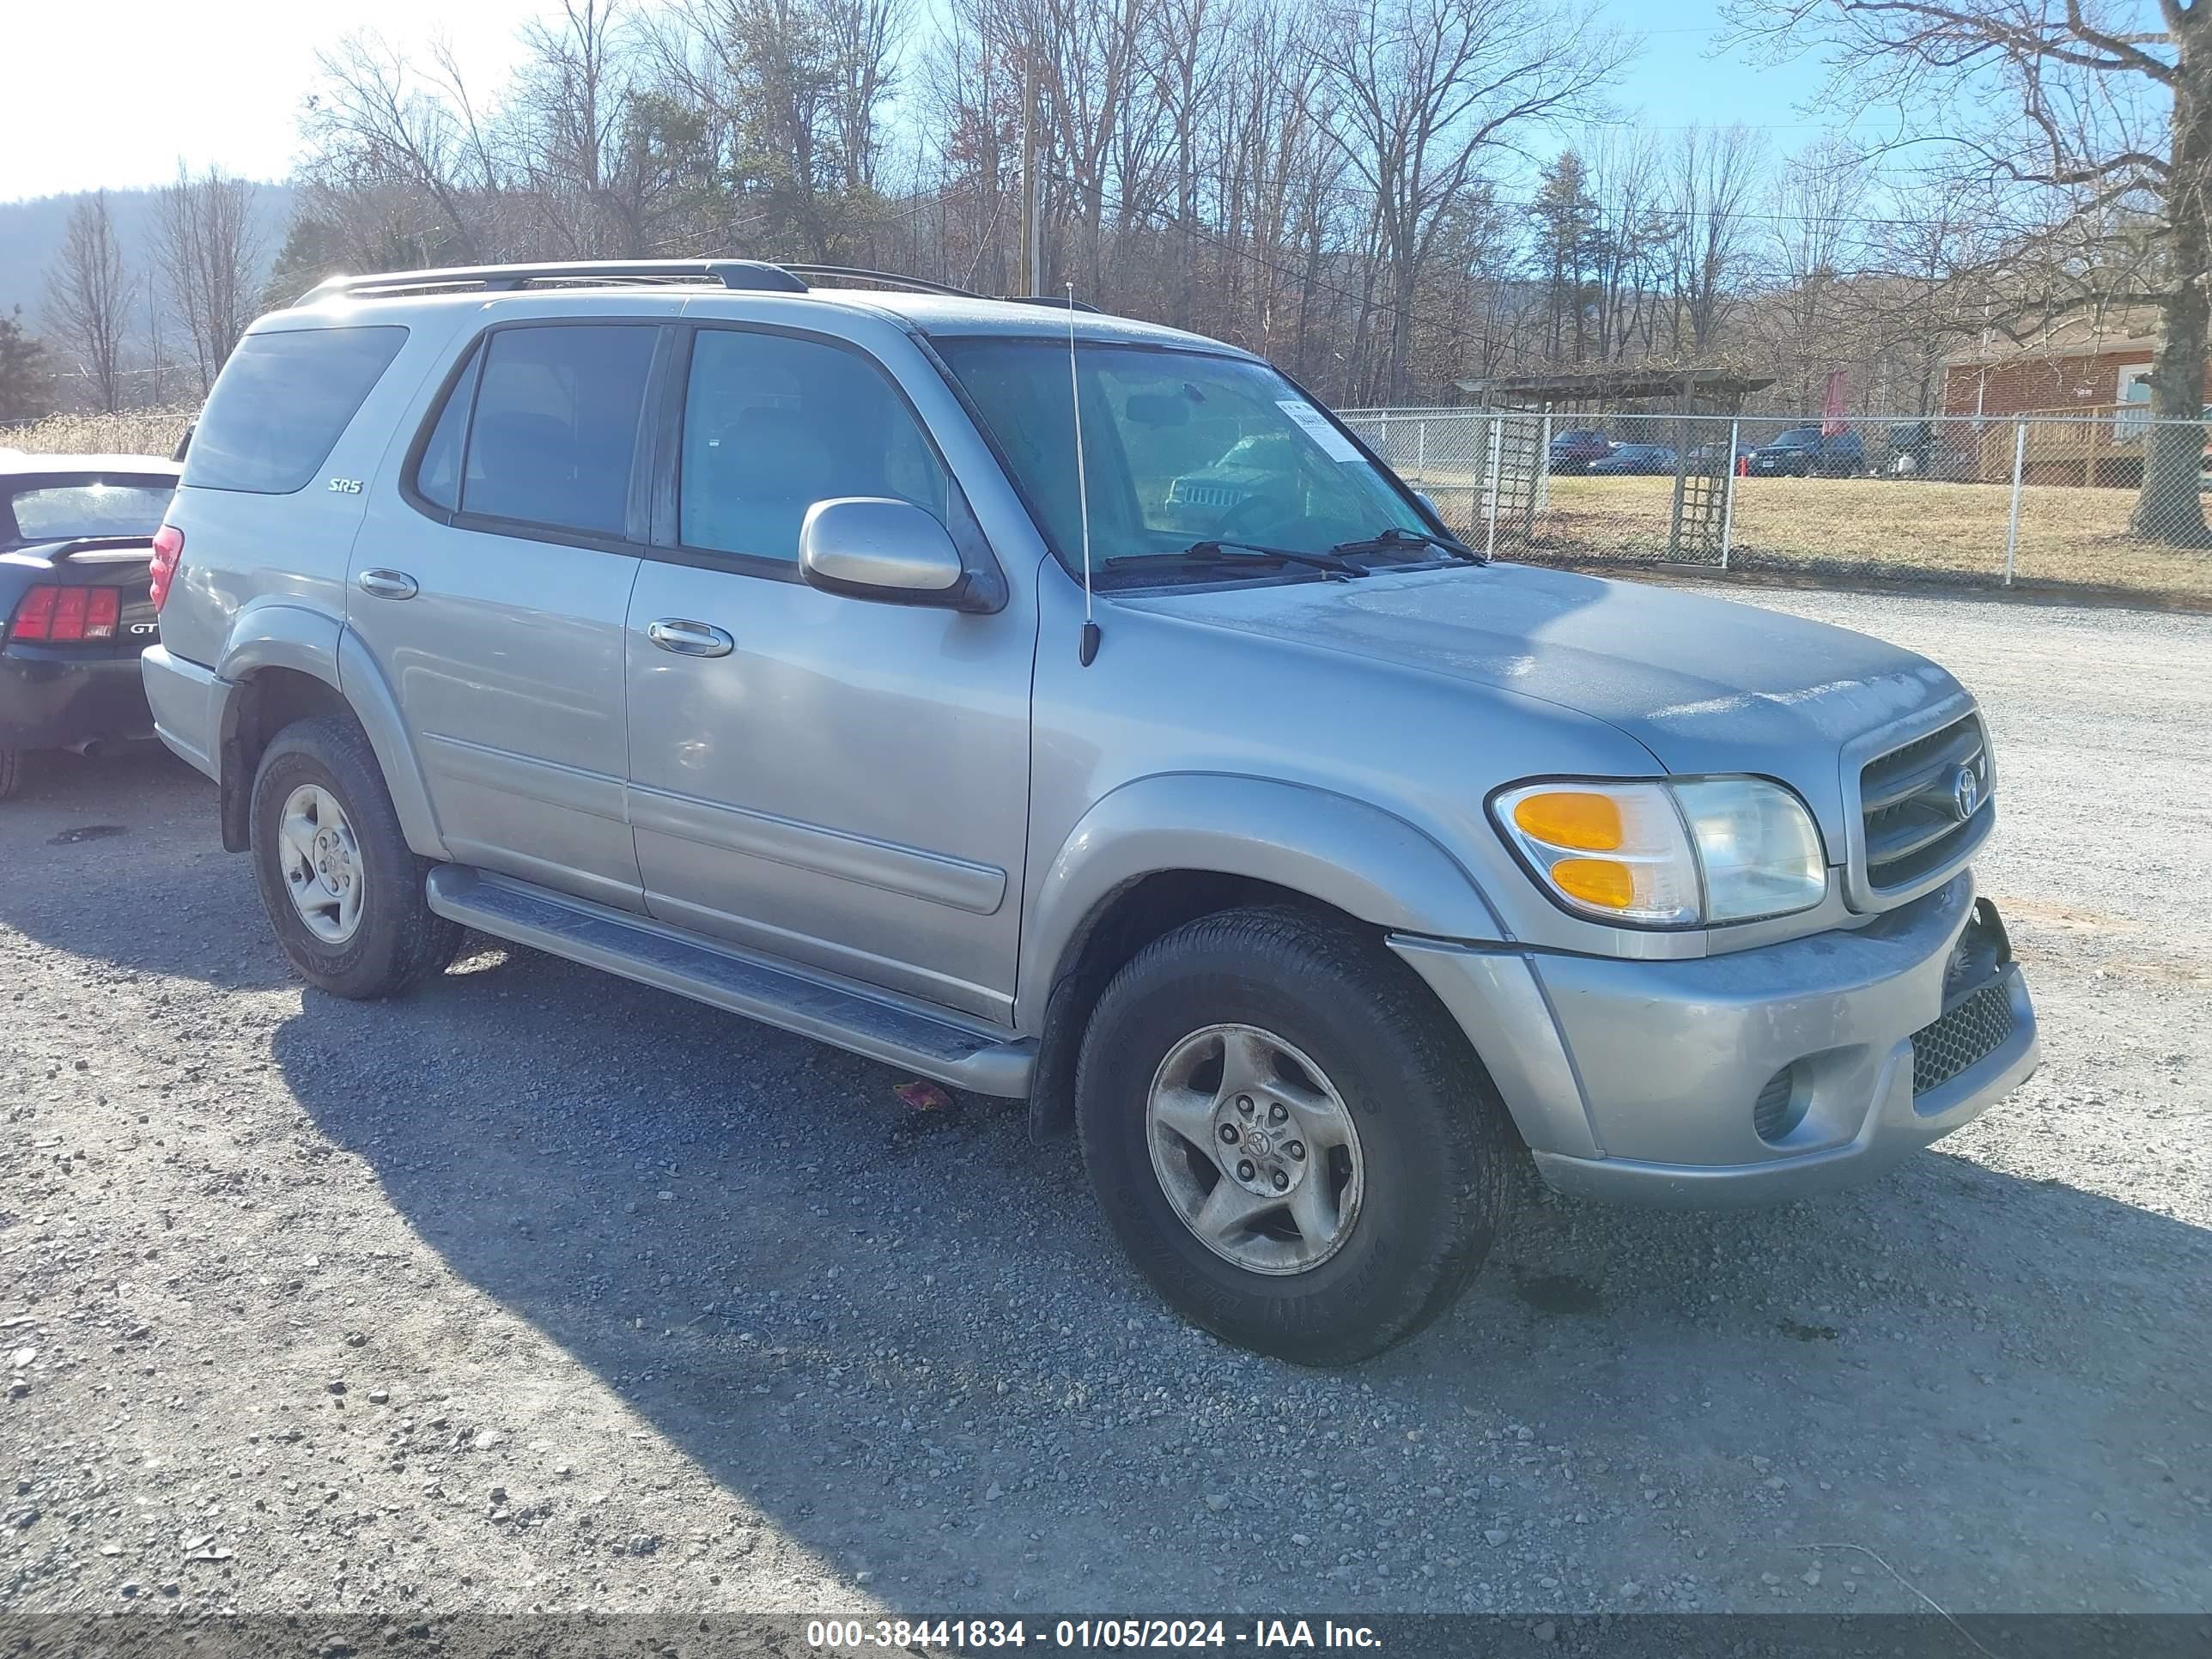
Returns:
<point x="168" y="548"/>
<point x="67" y="616"/>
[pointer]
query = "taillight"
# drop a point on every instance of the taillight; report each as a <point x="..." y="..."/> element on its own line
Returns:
<point x="67" y="616"/>
<point x="34" y="616"/>
<point x="169" y="548"/>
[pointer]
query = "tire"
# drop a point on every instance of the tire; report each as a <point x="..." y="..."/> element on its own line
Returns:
<point x="1434" y="1154"/>
<point x="11" y="772"/>
<point x="395" y="940"/>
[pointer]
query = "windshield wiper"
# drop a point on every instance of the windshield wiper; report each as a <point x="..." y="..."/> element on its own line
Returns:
<point x="1393" y="537"/>
<point x="1211" y="551"/>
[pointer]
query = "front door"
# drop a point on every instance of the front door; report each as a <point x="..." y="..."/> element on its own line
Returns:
<point x="835" y="781"/>
<point x="492" y="588"/>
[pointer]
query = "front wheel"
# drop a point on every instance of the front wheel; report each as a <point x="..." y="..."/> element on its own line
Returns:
<point x="1289" y="1138"/>
<point x="343" y="889"/>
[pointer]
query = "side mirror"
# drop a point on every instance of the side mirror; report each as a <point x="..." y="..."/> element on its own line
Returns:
<point x="871" y="547"/>
<point x="1428" y="501"/>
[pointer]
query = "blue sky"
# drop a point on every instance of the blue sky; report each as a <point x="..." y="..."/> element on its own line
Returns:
<point x="220" y="80"/>
<point x="1678" y="81"/>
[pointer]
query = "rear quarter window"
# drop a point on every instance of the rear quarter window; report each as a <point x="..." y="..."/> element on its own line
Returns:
<point x="280" y="404"/>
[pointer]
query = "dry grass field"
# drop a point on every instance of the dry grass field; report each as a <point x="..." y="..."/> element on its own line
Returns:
<point x="132" y="432"/>
<point x="1953" y="532"/>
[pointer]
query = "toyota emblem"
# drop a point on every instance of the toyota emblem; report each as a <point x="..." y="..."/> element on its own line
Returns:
<point x="1965" y="793"/>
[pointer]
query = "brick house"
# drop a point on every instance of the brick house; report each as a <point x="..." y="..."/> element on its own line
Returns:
<point x="2095" y="369"/>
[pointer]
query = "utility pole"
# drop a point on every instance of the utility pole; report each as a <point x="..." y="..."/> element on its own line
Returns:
<point x="1032" y="260"/>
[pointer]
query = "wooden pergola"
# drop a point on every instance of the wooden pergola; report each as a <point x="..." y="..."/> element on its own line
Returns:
<point x="1696" y="528"/>
<point x="1690" y="391"/>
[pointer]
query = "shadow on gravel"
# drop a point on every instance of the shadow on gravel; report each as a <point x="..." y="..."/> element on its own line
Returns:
<point x="911" y="1342"/>
<point x="118" y="859"/>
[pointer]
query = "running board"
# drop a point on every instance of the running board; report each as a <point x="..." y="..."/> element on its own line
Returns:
<point x="897" y="1031"/>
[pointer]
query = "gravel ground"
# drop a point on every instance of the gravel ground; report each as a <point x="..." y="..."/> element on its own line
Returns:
<point x="543" y="1291"/>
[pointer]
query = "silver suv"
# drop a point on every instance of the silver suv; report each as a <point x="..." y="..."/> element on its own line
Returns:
<point x="726" y="626"/>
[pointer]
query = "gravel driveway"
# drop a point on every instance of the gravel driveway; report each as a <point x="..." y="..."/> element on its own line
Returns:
<point x="542" y="1290"/>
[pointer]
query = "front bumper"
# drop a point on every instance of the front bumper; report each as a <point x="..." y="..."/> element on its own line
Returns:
<point x="50" y="699"/>
<point x="1643" y="1081"/>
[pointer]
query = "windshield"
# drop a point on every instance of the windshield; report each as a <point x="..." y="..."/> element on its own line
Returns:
<point x="1179" y="447"/>
<point x="64" y="509"/>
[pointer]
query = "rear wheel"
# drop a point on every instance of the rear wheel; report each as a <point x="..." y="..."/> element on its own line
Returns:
<point x="11" y="772"/>
<point x="1288" y="1138"/>
<point x="343" y="890"/>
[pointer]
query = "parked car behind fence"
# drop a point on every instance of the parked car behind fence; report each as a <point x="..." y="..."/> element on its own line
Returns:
<point x="1576" y="448"/>
<point x="1805" y="452"/>
<point x="1648" y="458"/>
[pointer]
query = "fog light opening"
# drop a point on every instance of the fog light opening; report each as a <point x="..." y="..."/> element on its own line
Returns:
<point x="1780" y="1106"/>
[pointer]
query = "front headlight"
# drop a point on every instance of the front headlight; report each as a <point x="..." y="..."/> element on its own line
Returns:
<point x="1692" y="852"/>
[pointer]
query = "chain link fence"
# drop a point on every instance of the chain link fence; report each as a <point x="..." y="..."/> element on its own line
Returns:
<point x="2040" y="499"/>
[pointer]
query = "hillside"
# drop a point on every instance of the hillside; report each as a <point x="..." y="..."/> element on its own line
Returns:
<point x="31" y="234"/>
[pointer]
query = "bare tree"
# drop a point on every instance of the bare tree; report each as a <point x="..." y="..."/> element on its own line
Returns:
<point x="1927" y="277"/>
<point x="1712" y="178"/>
<point x="864" y="38"/>
<point x="208" y="255"/>
<point x="376" y="125"/>
<point x="90" y="294"/>
<point x="600" y="150"/>
<point x="1626" y="183"/>
<point x="2089" y="122"/>
<point x="1431" y="90"/>
<point x="1093" y="53"/>
<point x="1817" y="208"/>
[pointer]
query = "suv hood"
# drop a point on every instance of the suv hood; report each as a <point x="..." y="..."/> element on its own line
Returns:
<point x="1704" y="685"/>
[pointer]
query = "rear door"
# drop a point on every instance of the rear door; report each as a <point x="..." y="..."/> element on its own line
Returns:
<point x="490" y="582"/>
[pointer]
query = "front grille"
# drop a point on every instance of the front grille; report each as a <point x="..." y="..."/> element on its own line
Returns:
<point x="1968" y="1033"/>
<point x="1184" y="493"/>
<point x="1910" y="799"/>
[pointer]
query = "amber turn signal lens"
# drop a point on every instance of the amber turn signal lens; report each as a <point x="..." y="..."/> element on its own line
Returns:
<point x="1579" y="819"/>
<point x="1596" y="881"/>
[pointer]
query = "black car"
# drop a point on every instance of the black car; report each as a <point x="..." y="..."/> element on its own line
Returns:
<point x="1804" y="450"/>
<point x="76" y="533"/>
<point x="1645" y="458"/>
<point x="1573" y="450"/>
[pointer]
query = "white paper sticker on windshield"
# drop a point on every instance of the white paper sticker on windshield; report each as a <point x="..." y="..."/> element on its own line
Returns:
<point x="1334" y="444"/>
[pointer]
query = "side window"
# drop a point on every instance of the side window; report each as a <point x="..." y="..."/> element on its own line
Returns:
<point x="556" y="425"/>
<point x="773" y="425"/>
<point x="280" y="402"/>
<point x="438" y="473"/>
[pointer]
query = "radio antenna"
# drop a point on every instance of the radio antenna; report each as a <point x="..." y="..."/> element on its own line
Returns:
<point x="1089" y="650"/>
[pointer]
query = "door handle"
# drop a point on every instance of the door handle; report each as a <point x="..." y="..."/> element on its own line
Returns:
<point x="689" y="639"/>
<point x="387" y="584"/>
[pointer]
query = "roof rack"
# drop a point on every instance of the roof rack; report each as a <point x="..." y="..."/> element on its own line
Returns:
<point x="751" y="274"/>
<point x="888" y="278"/>
<point x="757" y="275"/>
<point x="922" y="285"/>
